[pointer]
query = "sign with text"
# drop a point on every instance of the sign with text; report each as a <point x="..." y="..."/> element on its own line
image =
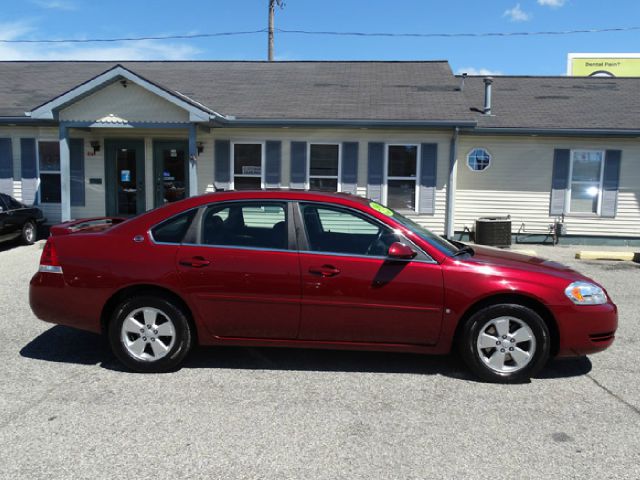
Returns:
<point x="604" y="65"/>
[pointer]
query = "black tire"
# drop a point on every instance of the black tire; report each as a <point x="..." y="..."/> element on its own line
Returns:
<point x="477" y="358"/>
<point x="178" y="348"/>
<point x="29" y="233"/>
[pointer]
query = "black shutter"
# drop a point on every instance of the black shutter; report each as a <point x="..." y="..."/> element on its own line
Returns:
<point x="427" y="184"/>
<point x="28" y="158"/>
<point x="375" y="171"/>
<point x="349" y="174"/>
<point x="76" y="160"/>
<point x="610" y="183"/>
<point x="559" y="181"/>
<point x="6" y="158"/>
<point x="222" y="164"/>
<point x="273" y="163"/>
<point x="298" y="165"/>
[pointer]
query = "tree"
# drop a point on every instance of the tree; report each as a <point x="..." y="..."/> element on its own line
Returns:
<point x="272" y="7"/>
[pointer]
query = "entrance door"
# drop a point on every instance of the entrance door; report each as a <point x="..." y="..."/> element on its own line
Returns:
<point x="170" y="171"/>
<point x="124" y="177"/>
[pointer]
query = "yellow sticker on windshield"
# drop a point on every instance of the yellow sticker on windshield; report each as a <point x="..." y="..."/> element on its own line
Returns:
<point x="383" y="210"/>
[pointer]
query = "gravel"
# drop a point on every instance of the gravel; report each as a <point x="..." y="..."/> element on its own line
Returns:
<point x="67" y="410"/>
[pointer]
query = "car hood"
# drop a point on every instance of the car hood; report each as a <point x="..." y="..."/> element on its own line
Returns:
<point x="484" y="256"/>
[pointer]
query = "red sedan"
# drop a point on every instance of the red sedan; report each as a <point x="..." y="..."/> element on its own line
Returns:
<point x="303" y="269"/>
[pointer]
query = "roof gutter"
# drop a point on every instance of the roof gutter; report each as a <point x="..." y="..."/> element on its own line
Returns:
<point x="257" y="122"/>
<point x="26" y="121"/>
<point x="556" y="132"/>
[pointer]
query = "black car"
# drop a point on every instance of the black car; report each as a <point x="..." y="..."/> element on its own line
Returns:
<point x="18" y="220"/>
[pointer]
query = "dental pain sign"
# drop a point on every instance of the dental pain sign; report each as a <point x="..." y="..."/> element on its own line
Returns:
<point x="603" y="64"/>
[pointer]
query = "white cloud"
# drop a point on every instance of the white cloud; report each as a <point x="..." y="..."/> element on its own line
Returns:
<point x="478" y="71"/>
<point x="552" y="3"/>
<point x="55" y="4"/>
<point x="142" y="50"/>
<point x="516" y="14"/>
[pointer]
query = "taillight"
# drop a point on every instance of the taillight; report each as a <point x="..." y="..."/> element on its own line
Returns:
<point x="49" y="261"/>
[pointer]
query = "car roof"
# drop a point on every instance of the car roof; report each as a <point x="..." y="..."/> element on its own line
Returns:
<point x="159" y="214"/>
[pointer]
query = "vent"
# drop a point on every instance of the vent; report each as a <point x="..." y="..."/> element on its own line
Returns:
<point x="602" y="337"/>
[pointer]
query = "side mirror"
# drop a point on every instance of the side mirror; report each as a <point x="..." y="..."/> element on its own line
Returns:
<point x="401" y="251"/>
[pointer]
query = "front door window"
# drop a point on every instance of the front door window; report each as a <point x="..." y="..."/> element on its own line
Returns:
<point x="127" y="181"/>
<point x="173" y="175"/>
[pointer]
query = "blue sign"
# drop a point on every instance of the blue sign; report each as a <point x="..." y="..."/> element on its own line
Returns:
<point x="125" y="175"/>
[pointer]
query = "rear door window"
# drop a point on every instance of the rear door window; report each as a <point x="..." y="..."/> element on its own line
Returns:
<point x="248" y="225"/>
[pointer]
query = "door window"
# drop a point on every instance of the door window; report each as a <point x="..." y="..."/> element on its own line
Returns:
<point x="126" y="178"/>
<point x="13" y="204"/>
<point x="336" y="230"/>
<point x="173" y="175"/>
<point x="254" y="225"/>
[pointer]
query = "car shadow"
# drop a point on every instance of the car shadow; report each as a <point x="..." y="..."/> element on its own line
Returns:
<point x="68" y="345"/>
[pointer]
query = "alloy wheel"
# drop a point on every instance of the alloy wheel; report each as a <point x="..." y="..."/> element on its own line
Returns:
<point x="148" y="334"/>
<point x="506" y="344"/>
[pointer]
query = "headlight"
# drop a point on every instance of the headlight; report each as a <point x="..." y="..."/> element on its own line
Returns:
<point x="583" y="293"/>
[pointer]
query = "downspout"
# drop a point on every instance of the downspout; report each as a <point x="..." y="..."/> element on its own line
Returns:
<point x="450" y="217"/>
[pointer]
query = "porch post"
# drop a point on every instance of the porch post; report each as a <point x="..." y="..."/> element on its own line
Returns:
<point x="450" y="213"/>
<point x="65" y="174"/>
<point x="193" y="161"/>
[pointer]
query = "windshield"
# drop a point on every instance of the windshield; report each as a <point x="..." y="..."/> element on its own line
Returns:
<point x="437" y="241"/>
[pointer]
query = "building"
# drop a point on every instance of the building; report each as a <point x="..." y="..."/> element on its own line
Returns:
<point x="85" y="139"/>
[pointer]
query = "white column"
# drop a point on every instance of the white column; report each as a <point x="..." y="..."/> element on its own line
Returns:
<point x="450" y="213"/>
<point x="65" y="174"/>
<point x="193" y="160"/>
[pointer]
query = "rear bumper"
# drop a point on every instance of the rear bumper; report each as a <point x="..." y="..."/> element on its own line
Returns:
<point x="53" y="301"/>
<point x="586" y="329"/>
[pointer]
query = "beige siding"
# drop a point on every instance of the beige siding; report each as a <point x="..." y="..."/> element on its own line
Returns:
<point x="363" y="136"/>
<point x="518" y="183"/>
<point x="133" y="104"/>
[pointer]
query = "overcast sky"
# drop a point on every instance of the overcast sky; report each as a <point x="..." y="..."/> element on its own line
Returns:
<point x="535" y="55"/>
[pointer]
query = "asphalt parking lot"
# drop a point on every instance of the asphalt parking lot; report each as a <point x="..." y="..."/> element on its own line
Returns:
<point x="67" y="410"/>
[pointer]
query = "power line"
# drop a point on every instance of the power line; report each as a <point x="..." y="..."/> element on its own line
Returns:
<point x="454" y="35"/>
<point x="329" y="33"/>
<point x="137" y="39"/>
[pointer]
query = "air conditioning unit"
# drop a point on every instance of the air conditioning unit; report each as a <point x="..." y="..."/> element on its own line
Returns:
<point x="493" y="231"/>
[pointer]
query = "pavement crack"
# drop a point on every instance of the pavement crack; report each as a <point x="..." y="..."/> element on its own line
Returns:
<point x="614" y="395"/>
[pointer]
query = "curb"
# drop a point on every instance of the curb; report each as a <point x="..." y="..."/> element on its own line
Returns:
<point x="602" y="255"/>
<point x="526" y="252"/>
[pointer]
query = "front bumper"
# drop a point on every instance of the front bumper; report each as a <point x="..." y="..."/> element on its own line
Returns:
<point x="586" y="329"/>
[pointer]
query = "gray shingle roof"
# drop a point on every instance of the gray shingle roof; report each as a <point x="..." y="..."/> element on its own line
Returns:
<point x="558" y="102"/>
<point x="262" y="90"/>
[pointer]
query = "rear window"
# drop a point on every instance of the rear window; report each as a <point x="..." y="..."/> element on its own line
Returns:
<point x="174" y="229"/>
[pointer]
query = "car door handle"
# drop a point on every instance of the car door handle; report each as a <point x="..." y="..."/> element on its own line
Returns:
<point x="196" y="262"/>
<point x="324" y="271"/>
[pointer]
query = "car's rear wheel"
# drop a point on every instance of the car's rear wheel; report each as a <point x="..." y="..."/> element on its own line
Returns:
<point x="29" y="233"/>
<point x="150" y="334"/>
<point x="505" y="343"/>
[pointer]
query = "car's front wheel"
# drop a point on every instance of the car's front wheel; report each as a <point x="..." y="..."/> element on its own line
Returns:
<point x="29" y="233"/>
<point x="505" y="343"/>
<point x="150" y="334"/>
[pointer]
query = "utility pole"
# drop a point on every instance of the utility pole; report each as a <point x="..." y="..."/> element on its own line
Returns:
<point x="272" y="8"/>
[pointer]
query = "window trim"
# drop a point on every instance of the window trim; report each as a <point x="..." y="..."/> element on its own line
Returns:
<point x="232" y="179"/>
<point x="338" y="177"/>
<point x="479" y="147"/>
<point x="386" y="178"/>
<point x="38" y="197"/>
<point x="570" y="183"/>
